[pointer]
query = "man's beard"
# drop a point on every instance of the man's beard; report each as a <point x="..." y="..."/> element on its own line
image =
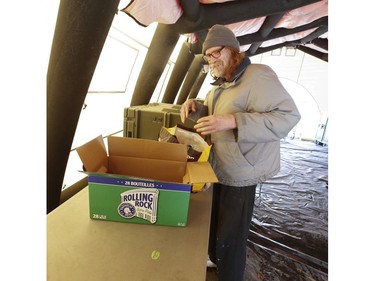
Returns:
<point x="217" y="69"/>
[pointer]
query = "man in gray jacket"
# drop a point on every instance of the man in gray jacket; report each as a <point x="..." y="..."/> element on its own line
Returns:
<point x="249" y="111"/>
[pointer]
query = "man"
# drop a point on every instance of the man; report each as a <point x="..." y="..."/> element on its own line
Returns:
<point x="249" y="111"/>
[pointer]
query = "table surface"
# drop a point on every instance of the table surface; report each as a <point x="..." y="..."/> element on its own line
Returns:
<point x="79" y="248"/>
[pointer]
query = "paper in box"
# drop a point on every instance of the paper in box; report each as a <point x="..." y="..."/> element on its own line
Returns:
<point x="199" y="149"/>
<point x="141" y="181"/>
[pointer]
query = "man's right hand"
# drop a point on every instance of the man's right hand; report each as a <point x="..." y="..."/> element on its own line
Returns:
<point x="186" y="108"/>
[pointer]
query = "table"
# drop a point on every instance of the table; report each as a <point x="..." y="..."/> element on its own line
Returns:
<point x="79" y="248"/>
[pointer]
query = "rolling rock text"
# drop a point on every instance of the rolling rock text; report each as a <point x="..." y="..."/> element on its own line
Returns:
<point x="141" y="203"/>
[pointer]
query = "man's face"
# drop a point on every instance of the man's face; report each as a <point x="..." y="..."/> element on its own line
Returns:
<point x="218" y="59"/>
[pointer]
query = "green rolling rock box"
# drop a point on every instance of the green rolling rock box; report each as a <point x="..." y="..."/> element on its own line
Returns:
<point x="138" y="201"/>
<point x="141" y="181"/>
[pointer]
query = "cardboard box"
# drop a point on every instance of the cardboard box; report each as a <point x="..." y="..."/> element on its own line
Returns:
<point x="140" y="180"/>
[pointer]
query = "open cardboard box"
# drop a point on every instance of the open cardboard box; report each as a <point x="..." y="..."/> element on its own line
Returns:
<point x="140" y="180"/>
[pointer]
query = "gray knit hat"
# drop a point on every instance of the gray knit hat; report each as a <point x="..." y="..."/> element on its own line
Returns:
<point x="219" y="35"/>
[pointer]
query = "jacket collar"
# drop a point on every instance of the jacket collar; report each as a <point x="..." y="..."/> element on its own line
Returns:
<point x="240" y="69"/>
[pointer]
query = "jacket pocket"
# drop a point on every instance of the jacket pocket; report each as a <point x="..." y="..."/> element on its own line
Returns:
<point x="261" y="155"/>
<point x="229" y="154"/>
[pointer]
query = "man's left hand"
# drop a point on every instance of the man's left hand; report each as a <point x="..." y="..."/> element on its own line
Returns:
<point x="215" y="123"/>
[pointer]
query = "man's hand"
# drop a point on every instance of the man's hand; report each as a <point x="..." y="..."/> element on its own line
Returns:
<point x="215" y="123"/>
<point x="187" y="106"/>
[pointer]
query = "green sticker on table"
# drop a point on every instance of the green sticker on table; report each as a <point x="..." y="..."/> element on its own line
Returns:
<point x="155" y="254"/>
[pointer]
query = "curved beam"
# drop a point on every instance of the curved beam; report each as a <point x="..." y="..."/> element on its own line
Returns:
<point x="281" y="32"/>
<point x="266" y="28"/>
<point x="184" y="60"/>
<point x="161" y="48"/>
<point x="191" y="77"/>
<point x="315" y="34"/>
<point x="197" y="85"/>
<point x="321" y="43"/>
<point x="314" y="53"/>
<point x="295" y="44"/>
<point x="80" y="32"/>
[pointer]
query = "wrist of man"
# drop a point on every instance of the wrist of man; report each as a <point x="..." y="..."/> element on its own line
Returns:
<point x="233" y="121"/>
<point x="235" y="127"/>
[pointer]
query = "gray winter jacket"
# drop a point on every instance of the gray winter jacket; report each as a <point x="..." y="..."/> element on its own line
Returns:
<point x="264" y="113"/>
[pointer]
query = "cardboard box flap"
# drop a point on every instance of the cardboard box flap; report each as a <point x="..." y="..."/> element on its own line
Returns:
<point x="162" y="170"/>
<point x="93" y="155"/>
<point x="144" y="148"/>
<point x="200" y="172"/>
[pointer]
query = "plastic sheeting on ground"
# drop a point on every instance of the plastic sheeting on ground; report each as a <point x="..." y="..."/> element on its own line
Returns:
<point x="288" y="238"/>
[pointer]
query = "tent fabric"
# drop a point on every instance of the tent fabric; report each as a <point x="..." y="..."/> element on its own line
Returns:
<point x="288" y="238"/>
<point x="247" y="26"/>
<point x="145" y="12"/>
<point x="214" y="1"/>
<point x="304" y="15"/>
<point x="291" y="37"/>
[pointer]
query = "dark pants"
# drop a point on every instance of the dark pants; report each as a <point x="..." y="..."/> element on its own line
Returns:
<point x="232" y="209"/>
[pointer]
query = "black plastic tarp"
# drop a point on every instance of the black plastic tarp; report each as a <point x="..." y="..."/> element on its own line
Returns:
<point x="288" y="238"/>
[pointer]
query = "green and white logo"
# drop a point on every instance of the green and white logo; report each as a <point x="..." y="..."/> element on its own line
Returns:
<point x="141" y="203"/>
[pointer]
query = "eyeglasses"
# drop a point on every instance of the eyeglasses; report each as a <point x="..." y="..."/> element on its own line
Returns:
<point x="215" y="54"/>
